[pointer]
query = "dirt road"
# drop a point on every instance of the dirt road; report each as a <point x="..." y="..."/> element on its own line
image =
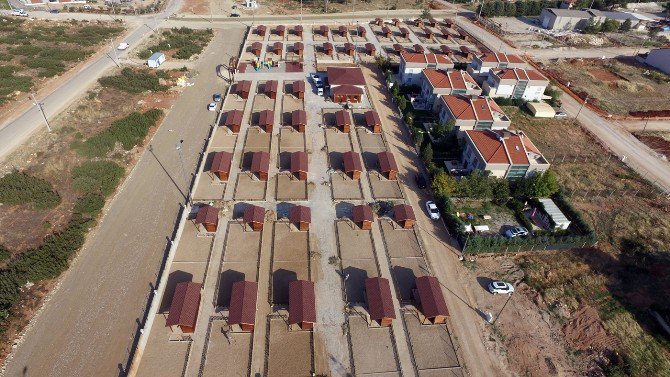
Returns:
<point x="86" y="328"/>
<point x="465" y="322"/>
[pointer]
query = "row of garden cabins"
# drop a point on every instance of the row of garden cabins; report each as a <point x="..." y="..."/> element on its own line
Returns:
<point x="349" y="49"/>
<point x="279" y="30"/>
<point x="243" y="88"/>
<point x="277" y="48"/>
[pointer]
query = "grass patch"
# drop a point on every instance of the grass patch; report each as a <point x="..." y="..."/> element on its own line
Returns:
<point x="11" y="83"/>
<point x="133" y="81"/>
<point x="97" y="177"/>
<point x="128" y="131"/>
<point x="90" y="205"/>
<point x="180" y="43"/>
<point x="21" y="188"/>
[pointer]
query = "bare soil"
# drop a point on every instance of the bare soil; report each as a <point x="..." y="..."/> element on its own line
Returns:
<point x="656" y="142"/>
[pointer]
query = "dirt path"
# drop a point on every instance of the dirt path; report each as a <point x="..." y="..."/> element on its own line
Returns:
<point x="466" y="324"/>
<point x="87" y="327"/>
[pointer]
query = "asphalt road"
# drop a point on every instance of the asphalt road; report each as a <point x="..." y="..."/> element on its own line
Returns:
<point x="87" y="326"/>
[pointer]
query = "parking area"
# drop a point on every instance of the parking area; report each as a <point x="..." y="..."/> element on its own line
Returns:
<point x="373" y="349"/>
<point x="290" y="260"/>
<point x="431" y="347"/>
<point x="225" y="350"/>
<point x="289" y="353"/>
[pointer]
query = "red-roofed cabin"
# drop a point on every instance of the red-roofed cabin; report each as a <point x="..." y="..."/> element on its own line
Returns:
<point x="298" y="30"/>
<point x="418" y="22"/>
<point x="270" y="88"/>
<point x="386" y="32"/>
<point x="242" y="88"/>
<point x="429" y="33"/>
<point x="298" y="89"/>
<point x="323" y="30"/>
<point x="387" y="165"/>
<point x="464" y="35"/>
<point x="404" y="32"/>
<point x="380" y="301"/>
<point x="404" y="215"/>
<point x="242" y="308"/>
<point x="370" y="49"/>
<point x="207" y="218"/>
<point x="280" y="30"/>
<point x="256" y="48"/>
<point x="349" y="49"/>
<point x="445" y="49"/>
<point x="221" y="165"/>
<point x="352" y="164"/>
<point x="343" y="119"/>
<point x="445" y="33"/>
<point x="184" y="307"/>
<point x="362" y="31"/>
<point x="301" y="216"/>
<point x="419" y="49"/>
<point x="448" y="23"/>
<point x="298" y="48"/>
<point x="328" y="48"/>
<point x="301" y="304"/>
<point x="379" y="21"/>
<point x="432" y="22"/>
<point x="467" y="53"/>
<point x="397" y="47"/>
<point x="395" y="22"/>
<point x="266" y="120"/>
<point x="346" y="93"/>
<point x="277" y="48"/>
<point x="373" y="121"/>
<point x="260" y="165"/>
<point x="254" y="216"/>
<point x="261" y="30"/>
<point x="431" y="300"/>
<point x="233" y="120"/>
<point x="299" y="167"/>
<point x="342" y="31"/>
<point x="299" y="120"/>
<point x="362" y="216"/>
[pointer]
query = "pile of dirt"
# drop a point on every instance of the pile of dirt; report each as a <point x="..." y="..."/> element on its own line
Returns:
<point x="584" y="331"/>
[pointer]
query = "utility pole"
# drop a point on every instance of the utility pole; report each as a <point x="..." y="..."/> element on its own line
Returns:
<point x="300" y="11"/>
<point x="40" y="106"/>
<point x="183" y="171"/>
<point x="501" y="310"/>
<point x="583" y="104"/>
<point x="645" y="125"/>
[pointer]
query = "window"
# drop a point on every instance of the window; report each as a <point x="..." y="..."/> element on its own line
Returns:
<point x="502" y="65"/>
<point x="517" y="171"/>
<point x="484" y="125"/>
<point x="458" y="91"/>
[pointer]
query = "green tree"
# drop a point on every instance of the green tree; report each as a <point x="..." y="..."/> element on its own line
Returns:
<point x="555" y="95"/>
<point x="498" y="8"/>
<point x="592" y="27"/>
<point x="510" y="9"/>
<point x="609" y="26"/>
<point x="487" y="9"/>
<point x="500" y="191"/>
<point x="535" y="8"/>
<point x="626" y="25"/>
<point x="402" y="104"/>
<point x="418" y="137"/>
<point x="425" y="14"/>
<point x="477" y="185"/>
<point x="522" y="8"/>
<point x="443" y="185"/>
<point x="545" y="184"/>
<point x="427" y="153"/>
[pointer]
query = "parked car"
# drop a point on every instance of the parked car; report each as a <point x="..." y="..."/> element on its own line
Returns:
<point x="234" y="15"/>
<point x="122" y="46"/>
<point x="211" y="106"/>
<point x="500" y="287"/>
<point x="54" y="11"/>
<point x="19" y="12"/>
<point x="561" y="114"/>
<point x="217" y="97"/>
<point x="433" y="212"/>
<point x="420" y="181"/>
<point x="516" y="232"/>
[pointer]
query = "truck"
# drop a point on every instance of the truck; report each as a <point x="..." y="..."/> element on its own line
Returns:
<point x="156" y="60"/>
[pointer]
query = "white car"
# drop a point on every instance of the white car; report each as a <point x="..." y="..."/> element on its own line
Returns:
<point x="122" y="46"/>
<point x="561" y="114"/>
<point x="433" y="212"/>
<point x="517" y="231"/>
<point x="211" y="106"/>
<point x="501" y="287"/>
<point x="19" y="12"/>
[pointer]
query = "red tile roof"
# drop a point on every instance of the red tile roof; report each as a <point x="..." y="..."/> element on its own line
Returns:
<point x="278" y="46"/>
<point x="221" y="162"/>
<point x="449" y="80"/>
<point x="466" y="108"/>
<point x="327" y="46"/>
<point x="419" y="48"/>
<point x="298" y="28"/>
<point x="380" y="301"/>
<point x="402" y="212"/>
<point x="233" y="118"/>
<point x="349" y="46"/>
<point x="243" y="86"/>
<point x="397" y="47"/>
<point x="502" y="146"/>
<point x="299" y="162"/>
<point x="362" y="212"/>
<point x="342" y="117"/>
<point x="425" y="58"/>
<point x="298" y="46"/>
<point x="298" y="117"/>
<point x="185" y="305"/>
<point x="488" y="145"/>
<point x="386" y="30"/>
<point x="430" y="294"/>
<point x="298" y="86"/>
<point x="345" y="76"/>
<point x="370" y="47"/>
<point x="266" y="117"/>
<point x="387" y="162"/>
<point x="519" y="74"/>
<point x="352" y="162"/>
<point x="242" y="308"/>
<point x="347" y="90"/>
<point x="256" y="46"/>
<point x="300" y="214"/>
<point x="254" y="214"/>
<point x="499" y="57"/>
<point x="445" y="49"/>
<point x="404" y="31"/>
<point x="372" y="118"/>
<point x="207" y="215"/>
<point x="301" y="302"/>
<point x="260" y="162"/>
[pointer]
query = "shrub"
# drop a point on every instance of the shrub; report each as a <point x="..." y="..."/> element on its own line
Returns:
<point x="97" y="177"/>
<point x="133" y="81"/>
<point x="443" y="184"/>
<point x="21" y="188"/>
<point x="9" y="83"/>
<point x="4" y="253"/>
<point x="89" y="205"/>
<point x="128" y="131"/>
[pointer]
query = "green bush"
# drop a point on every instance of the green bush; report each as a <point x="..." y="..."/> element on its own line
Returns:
<point x="21" y="188"/>
<point x="9" y="83"/>
<point x="4" y="253"/>
<point x="89" y="205"/>
<point x="133" y="81"/>
<point x="97" y="177"/>
<point x="128" y="131"/>
<point x="187" y="42"/>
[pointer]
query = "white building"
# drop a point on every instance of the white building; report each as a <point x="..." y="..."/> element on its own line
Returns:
<point x="481" y="65"/>
<point x="411" y="65"/>
<point x="471" y="113"/>
<point x="156" y="60"/>
<point x="554" y="213"/>
<point x="436" y="83"/>
<point x="527" y="84"/>
<point x="659" y="59"/>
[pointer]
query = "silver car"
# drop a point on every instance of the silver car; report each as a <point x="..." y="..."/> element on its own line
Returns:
<point x="500" y="287"/>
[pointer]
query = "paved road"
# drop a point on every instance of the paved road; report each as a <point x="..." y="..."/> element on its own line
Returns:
<point x="86" y="328"/>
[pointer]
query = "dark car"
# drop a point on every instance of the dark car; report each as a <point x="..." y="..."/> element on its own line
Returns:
<point x="234" y="15"/>
<point x="421" y="181"/>
<point x="55" y="11"/>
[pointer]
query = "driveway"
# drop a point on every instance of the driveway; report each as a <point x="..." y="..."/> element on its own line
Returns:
<point x="87" y="327"/>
